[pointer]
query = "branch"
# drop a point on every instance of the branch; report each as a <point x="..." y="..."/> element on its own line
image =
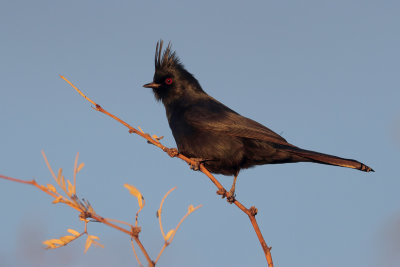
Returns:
<point x="251" y="212"/>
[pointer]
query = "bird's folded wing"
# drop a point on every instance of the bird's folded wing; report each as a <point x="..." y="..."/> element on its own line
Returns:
<point x="231" y="123"/>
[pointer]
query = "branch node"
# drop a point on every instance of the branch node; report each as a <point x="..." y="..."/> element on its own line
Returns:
<point x="253" y="211"/>
<point x="172" y="152"/>
<point x="135" y="230"/>
<point x="84" y="215"/>
<point x="221" y="192"/>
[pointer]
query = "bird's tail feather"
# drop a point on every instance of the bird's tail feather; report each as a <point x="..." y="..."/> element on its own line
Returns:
<point x="328" y="159"/>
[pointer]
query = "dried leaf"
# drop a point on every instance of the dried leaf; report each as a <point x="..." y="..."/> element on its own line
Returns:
<point x="88" y="244"/>
<point x="55" y="241"/>
<point x="135" y="192"/>
<point x="71" y="189"/>
<point x="66" y="239"/>
<point x="93" y="237"/>
<point x="59" y="175"/>
<point x="169" y="234"/>
<point x="48" y="243"/>
<point x="80" y="167"/>
<point x="190" y="208"/>
<point x="97" y="244"/>
<point x="51" y="188"/>
<point x="72" y="231"/>
<point x="57" y="200"/>
<point x="62" y="183"/>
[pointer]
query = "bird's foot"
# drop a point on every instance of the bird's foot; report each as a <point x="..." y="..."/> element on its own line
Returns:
<point x="172" y="152"/>
<point x="195" y="163"/>
<point x="230" y="196"/>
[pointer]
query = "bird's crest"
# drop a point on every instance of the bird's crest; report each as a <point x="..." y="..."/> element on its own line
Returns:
<point x="167" y="59"/>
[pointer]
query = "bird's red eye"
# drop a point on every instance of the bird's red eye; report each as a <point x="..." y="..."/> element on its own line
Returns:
<point x="168" y="81"/>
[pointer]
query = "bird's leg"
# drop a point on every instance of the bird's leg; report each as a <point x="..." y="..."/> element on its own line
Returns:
<point x="230" y="196"/>
<point x="195" y="164"/>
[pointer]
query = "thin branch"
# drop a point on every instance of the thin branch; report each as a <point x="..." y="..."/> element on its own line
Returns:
<point x="118" y="221"/>
<point x="76" y="168"/>
<point x="48" y="166"/>
<point x="159" y="211"/>
<point x="169" y="241"/>
<point x="134" y="252"/>
<point x="86" y="213"/>
<point x="181" y="221"/>
<point x="151" y="263"/>
<point x="250" y="212"/>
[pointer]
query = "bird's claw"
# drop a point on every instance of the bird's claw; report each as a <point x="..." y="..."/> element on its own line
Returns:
<point x="195" y="163"/>
<point x="172" y="152"/>
<point x="230" y="196"/>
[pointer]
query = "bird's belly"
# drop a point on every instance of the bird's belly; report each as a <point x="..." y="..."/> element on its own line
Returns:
<point x="221" y="153"/>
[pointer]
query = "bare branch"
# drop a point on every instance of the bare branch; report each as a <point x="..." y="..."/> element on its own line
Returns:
<point x="221" y="190"/>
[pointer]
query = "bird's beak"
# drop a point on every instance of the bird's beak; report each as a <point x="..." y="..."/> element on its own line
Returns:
<point x="152" y="85"/>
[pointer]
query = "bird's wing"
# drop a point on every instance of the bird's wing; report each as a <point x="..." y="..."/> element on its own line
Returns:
<point x="216" y="117"/>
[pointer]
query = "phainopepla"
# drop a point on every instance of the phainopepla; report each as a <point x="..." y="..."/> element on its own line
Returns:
<point x="211" y="133"/>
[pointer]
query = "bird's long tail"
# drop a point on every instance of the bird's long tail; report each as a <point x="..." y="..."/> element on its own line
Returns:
<point x="317" y="157"/>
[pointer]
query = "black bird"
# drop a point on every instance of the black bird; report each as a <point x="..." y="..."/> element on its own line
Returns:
<point x="213" y="134"/>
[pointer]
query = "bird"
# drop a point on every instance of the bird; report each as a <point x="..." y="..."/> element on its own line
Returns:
<point x="212" y="134"/>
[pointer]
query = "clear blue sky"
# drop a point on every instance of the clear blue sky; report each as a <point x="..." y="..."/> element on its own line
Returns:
<point x="324" y="74"/>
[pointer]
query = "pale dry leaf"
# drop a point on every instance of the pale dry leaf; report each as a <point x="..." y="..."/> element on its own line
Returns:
<point x="57" y="200"/>
<point x="97" y="243"/>
<point x="62" y="183"/>
<point x="89" y="242"/>
<point x="51" y="188"/>
<point x="135" y="192"/>
<point x="72" y="231"/>
<point x="190" y="208"/>
<point x="67" y="238"/>
<point x="59" y="175"/>
<point x="169" y="234"/>
<point x="93" y="237"/>
<point x="80" y="167"/>
<point x="71" y="189"/>
<point x="54" y="241"/>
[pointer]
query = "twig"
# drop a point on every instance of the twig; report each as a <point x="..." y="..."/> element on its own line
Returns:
<point x="250" y="212"/>
<point x="134" y="252"/>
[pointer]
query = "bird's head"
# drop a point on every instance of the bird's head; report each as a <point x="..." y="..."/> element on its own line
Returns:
<point x="171" y="80"/>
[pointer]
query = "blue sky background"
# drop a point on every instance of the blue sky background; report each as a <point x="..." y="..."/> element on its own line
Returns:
<point x="324" y="74"/>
